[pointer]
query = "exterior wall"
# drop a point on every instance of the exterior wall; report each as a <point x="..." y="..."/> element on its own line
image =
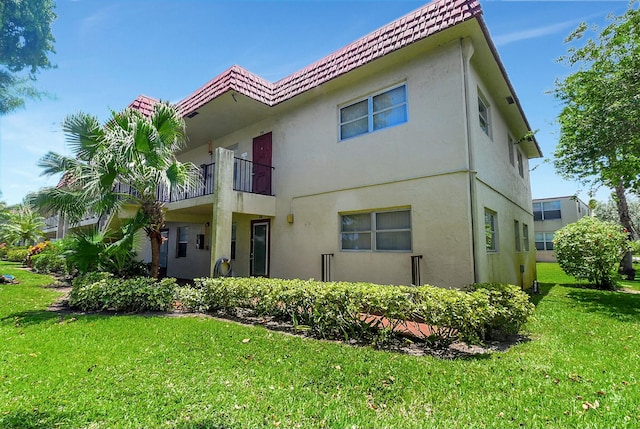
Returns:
<point x="196" y="263"/>
<point x="572" y="209"/>
<point x="506" y="264"/>
<point x="439" y="232"/>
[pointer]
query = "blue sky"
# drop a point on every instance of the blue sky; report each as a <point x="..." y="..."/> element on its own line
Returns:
<point x="110" y="52"/>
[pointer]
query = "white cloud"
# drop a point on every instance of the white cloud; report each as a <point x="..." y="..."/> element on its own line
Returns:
<point x="534" y="33"/>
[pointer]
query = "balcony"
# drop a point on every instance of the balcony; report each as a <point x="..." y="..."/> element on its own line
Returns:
<point x="248" y="177"/>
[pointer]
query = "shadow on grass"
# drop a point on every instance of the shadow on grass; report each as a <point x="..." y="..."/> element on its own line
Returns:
<point x="30" y="317"/>
<point x="34" y="420"/>
<point x="620" y="306"/>
<point x="544" y="289"/>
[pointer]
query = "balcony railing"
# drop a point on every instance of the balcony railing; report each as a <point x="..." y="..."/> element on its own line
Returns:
<point x="247" y="177"/>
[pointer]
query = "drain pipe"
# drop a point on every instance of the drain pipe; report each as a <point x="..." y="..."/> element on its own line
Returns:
<point x="466" y="52"/>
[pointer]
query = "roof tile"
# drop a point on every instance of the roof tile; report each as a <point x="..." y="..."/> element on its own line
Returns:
<point x="416" y="25"/>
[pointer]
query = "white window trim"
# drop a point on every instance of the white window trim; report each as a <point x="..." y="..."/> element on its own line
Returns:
<point x="494" y="233"/>
<point x="373" y="231"/>
<point x="370" y="112"/>
<point x="487" y="107"/>
<point x="526" y="245"/>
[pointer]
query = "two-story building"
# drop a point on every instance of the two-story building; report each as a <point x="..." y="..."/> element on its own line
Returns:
<point x="551" y="214"/>
<point x="401" y="158"/>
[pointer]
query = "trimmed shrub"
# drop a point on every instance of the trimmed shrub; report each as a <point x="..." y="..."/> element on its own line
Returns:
<point x="49" y="262"/>
<point x="591" y="249"/>
<point x="17" y="254"/>
<point x="129" y="295"/>
<point x="350" y="310"/>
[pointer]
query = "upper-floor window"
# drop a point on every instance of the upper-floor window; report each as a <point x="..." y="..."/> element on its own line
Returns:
<point x="546" y="210"/>
<point x="491" y="230"/>
<point x="484" y="115"/>
<point x="375" y="112"/>
<point x="511" y="145"/>
<point x="520" y="164"/>
<point x="385" y="231"/>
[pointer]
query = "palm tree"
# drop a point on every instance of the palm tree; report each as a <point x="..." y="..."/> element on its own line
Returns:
<point x="22" y="226"/>
<point x="124" y="161"/>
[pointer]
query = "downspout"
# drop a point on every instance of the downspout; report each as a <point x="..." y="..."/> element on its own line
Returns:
<point x="466" y="52"/>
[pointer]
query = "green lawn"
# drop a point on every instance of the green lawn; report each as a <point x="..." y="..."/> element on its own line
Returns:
<point x="580" y="370"/>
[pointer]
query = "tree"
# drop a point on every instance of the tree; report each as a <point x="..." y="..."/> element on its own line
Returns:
<point x="599" y="132"/>
<point x="591" y="249"/>
<point x="25" y="43"/>
<point x="23" y="226"/>
<point x="608" y="211"/>
<point x="127" y="160"/>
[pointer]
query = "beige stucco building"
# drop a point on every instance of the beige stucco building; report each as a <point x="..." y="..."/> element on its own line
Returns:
<point x="551" y="214"/>
<point x="401" y="158"/>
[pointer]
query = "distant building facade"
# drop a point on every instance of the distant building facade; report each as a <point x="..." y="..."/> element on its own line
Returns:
<point x="551" y="214"/>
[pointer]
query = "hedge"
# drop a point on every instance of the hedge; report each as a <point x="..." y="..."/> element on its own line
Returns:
<point x="342" y="309"/>
<point x="102" y="291"/>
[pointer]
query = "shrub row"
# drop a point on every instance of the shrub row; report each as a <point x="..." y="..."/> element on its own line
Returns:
<point x="347" y="310"/>
<point x="48" y="263"/>
<point x="102" y="291"/>
<point x="17" y="254"/>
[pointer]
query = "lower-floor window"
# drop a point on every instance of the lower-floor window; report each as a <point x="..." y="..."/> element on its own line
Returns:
<point x="383" y="231"/>
<point x="491" y="230"/>
<point x="183" y="241"/>
<point x="544" y="240"/>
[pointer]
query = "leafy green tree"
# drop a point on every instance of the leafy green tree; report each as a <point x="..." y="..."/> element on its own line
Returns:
<point x="125" y="161"/>
<point x="23" y="226"/>
<point x="599" y="131"/>
<point x="25" y="43"/>
<point x="591" y="249"/>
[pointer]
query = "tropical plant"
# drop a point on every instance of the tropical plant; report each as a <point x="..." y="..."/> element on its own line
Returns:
<point x="23" y="226"/>
<point x="126" y="161"/>
<point x="591" y="249"/>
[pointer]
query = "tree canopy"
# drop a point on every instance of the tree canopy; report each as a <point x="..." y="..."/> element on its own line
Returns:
<point x="26" y="41"/>
<point x="599" y="129"/>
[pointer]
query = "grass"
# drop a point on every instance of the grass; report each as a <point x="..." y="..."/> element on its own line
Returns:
<point x="97" y="371"/>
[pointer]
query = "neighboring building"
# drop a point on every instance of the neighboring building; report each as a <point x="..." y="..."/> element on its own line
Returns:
<point x="401" y="158"/>
<point x="551" y="214"/>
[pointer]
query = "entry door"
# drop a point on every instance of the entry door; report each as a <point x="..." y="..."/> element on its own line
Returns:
<point x="260" y="248"/>
<point x="262" y="164"/>
<point x="164" y="250"/>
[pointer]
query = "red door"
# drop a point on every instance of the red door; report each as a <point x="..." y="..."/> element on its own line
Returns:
<point x="262" y="164"/>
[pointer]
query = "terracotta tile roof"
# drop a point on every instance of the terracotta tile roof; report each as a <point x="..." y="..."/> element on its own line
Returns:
<point x="417" y="25"/>
<point x="144" y="104"/>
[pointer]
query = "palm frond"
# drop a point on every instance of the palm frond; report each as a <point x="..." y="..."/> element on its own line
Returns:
<point x="84" y="133"/>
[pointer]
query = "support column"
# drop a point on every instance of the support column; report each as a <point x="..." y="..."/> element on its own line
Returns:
<point x="222" y="207"/>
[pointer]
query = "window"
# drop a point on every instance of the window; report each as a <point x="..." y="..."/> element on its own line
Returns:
<point x="511" y="145"/>
<point x="491" y="230"/>
<point x="520" y="164"/>
<point x="379" y="111"/>
<point x="183" y="241"/>
<point x="516" y="231"/>
<point x="484" y="115"/>
<point x="544" y="240"/>
<point x="384" y="231"/>
<point x="546" y="210"/>
<point x="525" y="236"/>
